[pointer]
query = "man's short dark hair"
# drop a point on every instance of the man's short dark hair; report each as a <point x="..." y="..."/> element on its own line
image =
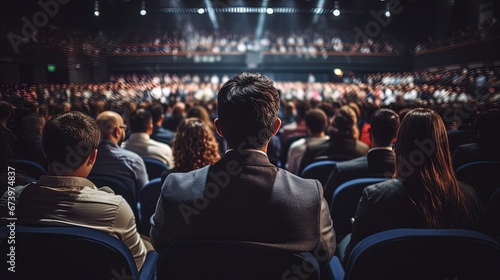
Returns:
<point x="32" y="121"/>
<point x="316" y="120"/>
<point x="156" y="112"/>
<point x="302" y="107"/>
<point x="384" y="126"/>
<point x="248" y="107"/>
<point x="139" y="121"/>
<point x="69" y="138"/>
<point x="6" y="109"/>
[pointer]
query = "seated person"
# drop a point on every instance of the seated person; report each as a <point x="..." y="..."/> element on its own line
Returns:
<point x="316" y="122"/>
<point x="65" y="196"/>
<point x="29" y="147"/>
<point x="343" y="143"/>
<point x="114" y="161"/>
<point x="488" y="139"/>
<point x="379" y="162"/>
<point x="424" y="192"/>
<point x="244" y="198"/>
<point x="160" y="133"/>
<point x="194" y="147"/>
<point x="140" y="142"/>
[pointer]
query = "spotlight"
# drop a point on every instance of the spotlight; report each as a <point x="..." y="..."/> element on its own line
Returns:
<point x="143" y="12"/>
<point x="338" y="72"/>
<point x="387" y="14"/>
<point x="269" y="11"/>
<point x="96" y="13"/>
<point x="96" y="8"/>
<point x="201" y="11"/>
<point x="336" y="12"/>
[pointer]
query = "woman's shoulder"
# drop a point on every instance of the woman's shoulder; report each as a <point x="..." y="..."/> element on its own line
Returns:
<point x="389" y="187"/>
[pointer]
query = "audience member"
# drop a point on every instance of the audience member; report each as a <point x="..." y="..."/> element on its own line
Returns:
<point x="378" y="162"/>
<point x="6" y="110"/>
<point x="160" y="133"/>
<point x="194" y="147"/>
<point x="29" y="147"/>
<point x="488" y="139"/>
<point x="343" y="143"/>
<point x="256" y="202"/>
<point x="141" y="127"/>
<point x="423" y="193"/>
<point x="465" y="115"/>
<point x="177" y="115"/>
<point x="316" y="122"/>
<point x="65" y="196"/>
<point x="297" y="127"/>
<point x="114" y="161"/>
<point x="201" y="113"/>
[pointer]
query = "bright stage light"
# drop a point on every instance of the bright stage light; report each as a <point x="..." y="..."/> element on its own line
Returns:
<point x="336" y="12"/>
<point x="143" y="12"/>
<point x="96" y="13"/>
<point x="201" y="11"/>
<point x="269" y="11"/>
<point x="338" y="72"/>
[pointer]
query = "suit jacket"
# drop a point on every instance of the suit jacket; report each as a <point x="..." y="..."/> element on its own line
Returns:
<point x="339" y="147"/>
<point x="377" y="163"/>
<point x="162" y="135"/>
<point x="244" y="198"/>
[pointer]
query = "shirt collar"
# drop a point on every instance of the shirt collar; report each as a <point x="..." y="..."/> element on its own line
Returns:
<point x="251" y="150"/>
<point x="380" y="148"/>
<point x="66" y="181"/>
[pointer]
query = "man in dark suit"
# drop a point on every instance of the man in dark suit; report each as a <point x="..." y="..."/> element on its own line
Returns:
<point x="379" y="162"/>
<point x="160" y="133"/>
<point x="243" y="198"/>
<point x="29" y="147"/>
<point x="488" y="137"/>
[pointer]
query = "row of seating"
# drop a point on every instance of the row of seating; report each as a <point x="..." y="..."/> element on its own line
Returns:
<point x="49" y="253"/>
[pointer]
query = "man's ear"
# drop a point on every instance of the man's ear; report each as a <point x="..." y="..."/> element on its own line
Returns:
<point x="277" y="126"/>
<point x="92" y="157"/>
<point x="217" y="127"/>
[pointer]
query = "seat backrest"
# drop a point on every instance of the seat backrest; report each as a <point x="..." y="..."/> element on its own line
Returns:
<point x="483" y="176"/>
<point x="119" y="188"/>
<point x="64" y="253"/>
<point x="148" y="198"/>
<point x="220" y="260"/>
<point x="345" y="201"/>
<point x="492" y="215"/>
<point x="154" y="167"/>
<point x="319" y="170"/>
<point x="29" y="168"/>
<point x="425" y="254"/>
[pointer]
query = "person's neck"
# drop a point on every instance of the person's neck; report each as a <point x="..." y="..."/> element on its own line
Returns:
<point x="321" y="134"/>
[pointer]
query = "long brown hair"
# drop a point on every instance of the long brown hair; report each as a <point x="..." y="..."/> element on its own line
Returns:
<point x="194" y="145"/>
<point x="423" y="163"/>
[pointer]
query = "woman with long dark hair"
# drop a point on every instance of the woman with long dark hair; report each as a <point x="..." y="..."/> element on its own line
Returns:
<point x="424" y="192"/>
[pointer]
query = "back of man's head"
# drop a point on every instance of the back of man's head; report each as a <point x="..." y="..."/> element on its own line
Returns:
<point x="140" y="121"/>
<point x="108" y="122"/>
<point x="5" y="110"/>
<point x="68" y="139"/>
<point x="488" y="134"/>
<point x="316" y="121"/>
<point x="302" y="108"/>
<point x="156" y="112"/>
<point x="33" y="124"/>
<point x="248" y="107"/>
<point x="384" y="126"/>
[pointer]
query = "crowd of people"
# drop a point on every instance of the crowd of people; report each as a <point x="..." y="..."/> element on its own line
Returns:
<point x="272" y="42"/>
<point x="232" y="144"/>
